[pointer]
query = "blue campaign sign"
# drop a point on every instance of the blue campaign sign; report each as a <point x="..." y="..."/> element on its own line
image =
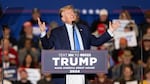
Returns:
<point x="65" y="61"/>
<point x="10" y="73"/>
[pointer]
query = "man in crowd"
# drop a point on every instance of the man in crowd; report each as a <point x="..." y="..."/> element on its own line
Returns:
<point x="7" y="34"/>
<point x="126" y="60"/>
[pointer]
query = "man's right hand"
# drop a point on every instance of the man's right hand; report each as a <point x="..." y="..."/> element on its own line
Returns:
<point x="41" y="25"/>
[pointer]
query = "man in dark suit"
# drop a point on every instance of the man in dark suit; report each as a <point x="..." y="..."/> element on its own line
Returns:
<point x="62" y="38"/>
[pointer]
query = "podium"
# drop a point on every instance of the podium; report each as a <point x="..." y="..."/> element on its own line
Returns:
<point x="74" y="62"/>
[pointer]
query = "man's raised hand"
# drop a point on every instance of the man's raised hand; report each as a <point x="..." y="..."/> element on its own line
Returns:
<point x="114" y="26"/>
<point x="41" y="25"/>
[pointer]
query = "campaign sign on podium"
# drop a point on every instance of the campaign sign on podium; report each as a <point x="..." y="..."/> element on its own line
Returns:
<point x="65" y="61"/>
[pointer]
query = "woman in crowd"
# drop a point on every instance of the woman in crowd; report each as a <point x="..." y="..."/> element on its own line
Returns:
<point x="147" y="77"/>
<point x="127" y="75"/>
<point x="28" y="62"/>
<point x="101" y="78"/>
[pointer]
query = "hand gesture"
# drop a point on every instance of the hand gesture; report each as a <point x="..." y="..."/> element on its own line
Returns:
<point x="41" y="25"/>
<point x="113" y="26"/>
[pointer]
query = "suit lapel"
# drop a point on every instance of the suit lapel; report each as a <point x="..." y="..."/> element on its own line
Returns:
<point x="80" y="28"/>
<point x="66" y="38"/>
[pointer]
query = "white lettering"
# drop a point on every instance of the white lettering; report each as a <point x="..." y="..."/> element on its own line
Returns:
<point x="56" y="61"/>
<point x="93" y="60"/>
<point x="64" y="61"/>
<point x="75" y="61"/>
<point x="83" y="61"/>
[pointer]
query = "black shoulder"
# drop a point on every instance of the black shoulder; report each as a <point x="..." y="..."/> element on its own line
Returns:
<point x="57" y="28"/>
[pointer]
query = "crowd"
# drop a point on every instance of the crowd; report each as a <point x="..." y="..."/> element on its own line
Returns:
<point x="126" y="63"/>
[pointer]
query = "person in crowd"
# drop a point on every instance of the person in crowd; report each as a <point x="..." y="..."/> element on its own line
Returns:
<point x="125" y="15"/>
<point x="147" y="30"/>
<point x="127" y="75"/>
<point x="147" y="77"/>
<point x="101" y="78"/>
<point x="46" y="80"/>
<point x="7" y="63"/>
<point x="7" y="50"/>
<point x="28" y="62"/>
<point x="35" y="15"/>
<point x="145" y="46"/>
<point x="28" y="33"/>
<point x="52" y="25"/>
<point x="79" y="20"/>
<point x="3" y="81"/>
<point x="7" y="34"/>
<point x="123" y="45"/>
<point x="100" y="25"/>
<point x="143" y="26"/>
<point x="28" y="49"/>
<point x="145" y="65"/>
<point x="126" y="59"/>
<point x="23" y="77"/>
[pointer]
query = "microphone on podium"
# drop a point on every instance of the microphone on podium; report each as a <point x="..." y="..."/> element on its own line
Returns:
<point x="73" y="23"/>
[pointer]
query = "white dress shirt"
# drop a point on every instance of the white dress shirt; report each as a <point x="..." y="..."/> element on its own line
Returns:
<point x="70" y="34"/>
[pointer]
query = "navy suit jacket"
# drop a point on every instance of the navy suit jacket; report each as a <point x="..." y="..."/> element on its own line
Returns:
<point x="59" y="38"/>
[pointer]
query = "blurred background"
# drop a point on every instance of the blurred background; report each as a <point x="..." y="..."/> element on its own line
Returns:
<point x="129" y="50"/>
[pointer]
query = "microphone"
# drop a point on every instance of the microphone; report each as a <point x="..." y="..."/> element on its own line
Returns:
<point x="73" y="23"/>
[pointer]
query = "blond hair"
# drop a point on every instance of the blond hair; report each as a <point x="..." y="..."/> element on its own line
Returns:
<point x="65" y="8"/>
<point x="127" y="14"/>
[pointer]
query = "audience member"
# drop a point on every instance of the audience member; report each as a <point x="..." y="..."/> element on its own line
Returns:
<point x="7" y="34"/>
<point x="100" y="25"/>
<point x="127" y="75"/>
<point x="28" y="49"/>
<point x="143" y="27"/>
<point x="23" y="77"/>
<point x="51" y="26"/>
<point x="79" y="20"/>
<point x="123" y="45"/>
<point x="125" y="15"/>
<point x="148" y="30"/>
<point x="46" y="80"/>
<point x="144" y="66"/>
<point x="145" y="48"/>
<point x="147" y="77"/>
<point x="35" y="14"/>
<point x="101" y="78"/>
<point x="126" y="59"/>
<point x="7" y="50"/>
<point x="28" y="33"/>
<point x="6" y="62"/>
<point x="28" y="62"/>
